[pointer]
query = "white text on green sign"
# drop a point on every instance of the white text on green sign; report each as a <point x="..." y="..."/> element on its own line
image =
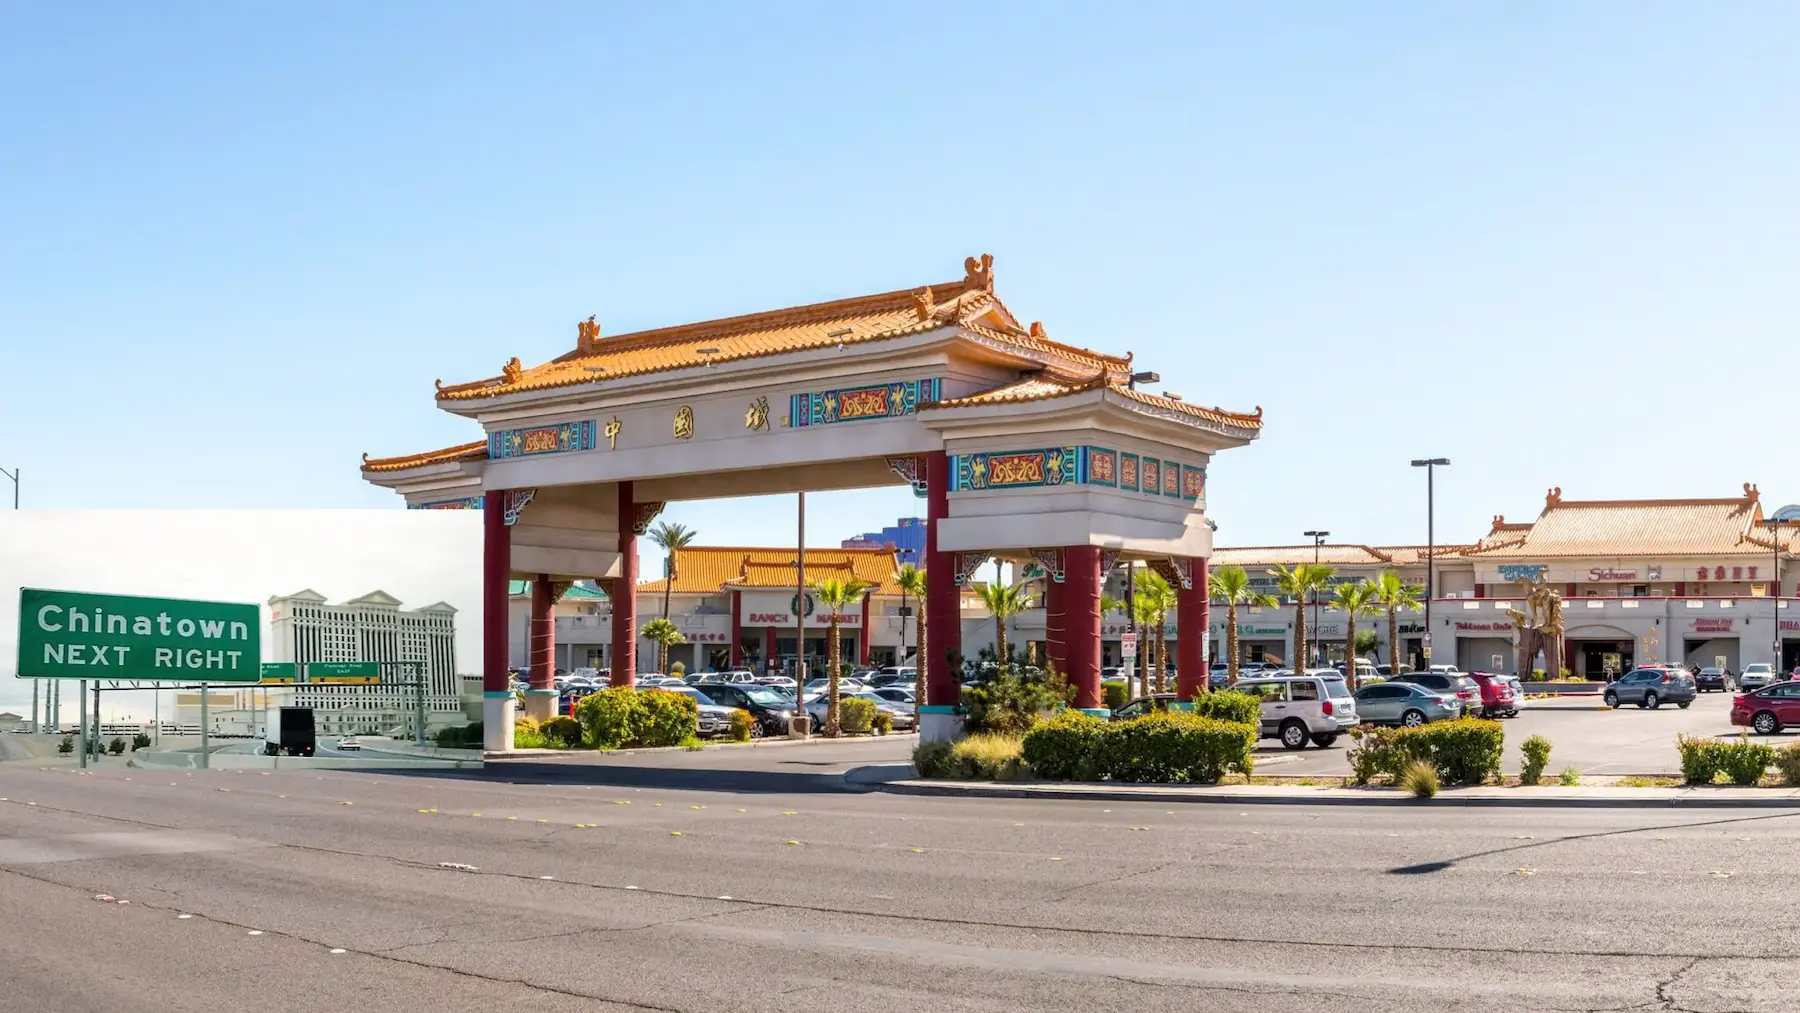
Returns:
<point x="78" y="635"/>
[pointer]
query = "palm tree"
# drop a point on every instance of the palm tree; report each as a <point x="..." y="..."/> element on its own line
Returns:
<point x="912" y="583"/>
<point x="1297" y="583"/>
<point x="1394" y="594"/>
<point x="835" y="594"/>
<point x="664" y="634"/>
<point x="1155" y="589"/>
<point x="672" y="538"/>
<point x="1231" y="585"/>
<point x="1004" y="602"/>
<point x="1356" y="600"/>
<point x="1143" y="615"/>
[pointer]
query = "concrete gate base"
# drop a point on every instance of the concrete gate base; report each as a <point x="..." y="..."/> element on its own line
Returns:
<point x="540" y="704"/>
<point x="497" y="722"/>
<point x="939" y="724"/>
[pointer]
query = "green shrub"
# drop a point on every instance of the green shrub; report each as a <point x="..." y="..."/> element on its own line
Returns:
<point x="561" y="730"/>
<point x="1466" y="751"/>
<point x="742" y="722"/>
<point x="932" y="759"/>
<point x="524" y="726"/>
<point x="67" y="745"/>
<point x="1700" y="758"/>
<point x="1229" y="705"/>
<point x="460" y="736"/>
<point x="1537" y="757"/>
<point x="1744" y="761"/>
<point x="1112" y="695"/>
<point x="116" y="746"/>
<point x="884" y="722"/>
<point x="677" y="670"/>
<point x="988" y="756"/>
<point x="1419" y="778"/>
<point x="1011" y="704"/>
<point x="1061" y="749"/>
<point x="1157" y="748"/>
<point x="140" y="741"/>
<point x="625" y="718"/>
<point x="856" y="716"/>
<point x="1787" y="760"/>
<point x="529" y="738"/>
<point x="1570" y="777"/>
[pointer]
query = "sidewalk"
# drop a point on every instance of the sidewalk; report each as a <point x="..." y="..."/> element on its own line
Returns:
<point x="896" y="778"/>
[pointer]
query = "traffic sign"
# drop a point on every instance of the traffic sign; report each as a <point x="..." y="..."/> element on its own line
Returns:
<point x="344" y="673"/>
<point x="1128" y="643"/>
<point x="280" y="673"/>
<point x="81" y="635"/>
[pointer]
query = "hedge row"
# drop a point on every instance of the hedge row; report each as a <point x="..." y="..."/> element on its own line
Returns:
<point x="1743" y="762"/>
<point x="625" y="718"/>
<point x="1466" y="751"/>
<point x="1157" y="748"/>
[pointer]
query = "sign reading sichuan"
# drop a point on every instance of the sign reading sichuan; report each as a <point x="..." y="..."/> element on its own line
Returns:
<point x="1603" y="573"/>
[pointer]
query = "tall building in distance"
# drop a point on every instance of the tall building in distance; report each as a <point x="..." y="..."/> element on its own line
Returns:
<point x="305" y="628"/>
<point x="905" y="536"/>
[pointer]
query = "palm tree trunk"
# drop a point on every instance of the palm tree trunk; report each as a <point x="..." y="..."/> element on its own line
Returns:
<point x="1350" y="649"/>
<point x="1162" y="659"/>
<point x="923" y="683"/>
<point x="669" y="584"/>
<point x="1000" y="643"/>
<point x="662" y="657"/>
<point x="1298" y="661"/>
<point x="1231" y="643"/>
<point x="831" y="663"/>
<point x="1393" y="643"/>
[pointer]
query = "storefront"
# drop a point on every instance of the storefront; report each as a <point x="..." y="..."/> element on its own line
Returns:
<point x="1263" y="641"/>
<point x="1600" y="652"/>
<point x="1486" y="645"/>
<point x="1712" y="641"/>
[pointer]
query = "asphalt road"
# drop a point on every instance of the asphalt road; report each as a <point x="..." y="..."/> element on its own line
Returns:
<point x="330" y="890"/>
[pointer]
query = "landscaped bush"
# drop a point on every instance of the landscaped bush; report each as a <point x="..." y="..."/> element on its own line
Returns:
<point x="1419" y="778"/>
<point x="1011" y="704"/>
<point x="1465" y="751"/>
<point x="742" y="721"/>
<point x="67" y="745"/>
<point x="1571" y="777"/>
<point x="561" y="730"/>
<point x="1161" y="748"/>
<point x="856" y="716"/>
<point x="1537" y="757"/>
<point x="140" y="741"/>
<point x="1744" y="761"/>
<point x="1700" y="758"/>
<point x="460" y="737"/>
<point x="1229" y="705"/>
<point x="987" y="756"/>
<point x="884" y="722"/>
<point x="623" y="718"/>
<point x="677" y="670"/>
<point x="932" y="759"/>
<point x="1112" y="695"/>
<point x="116" y="746"/>
<point x="1787" y="760"/>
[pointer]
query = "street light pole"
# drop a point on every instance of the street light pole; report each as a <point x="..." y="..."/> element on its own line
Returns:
<point x="1430" y="465"/>
<point x="36" y="723"/>
<point x="1318" y="539"/>
<point x="1775" y="525"/>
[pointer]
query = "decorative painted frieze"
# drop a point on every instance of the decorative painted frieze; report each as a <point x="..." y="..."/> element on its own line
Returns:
<point x="851" y="404"/>
<point x="558" y="439"/>
<point x="1101" y="466"/>
<point x="464" y="503"/>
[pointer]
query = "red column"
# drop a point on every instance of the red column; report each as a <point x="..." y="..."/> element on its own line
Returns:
<point x="542" y="655"/>
<point x="624" y="594"/>
<point x="943" y="605"/>
<point x="1193" y="617"/>
<point x="862" y="641"/>
<point x="737" y="629"/>
<point x="496" y="572"/>
<point x="1081" y="616"/>
<point x="769" y="649"/>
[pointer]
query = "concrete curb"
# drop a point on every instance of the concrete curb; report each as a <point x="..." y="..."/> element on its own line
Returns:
<point x="816" y="740"/>
<point x="1592" y="798"/>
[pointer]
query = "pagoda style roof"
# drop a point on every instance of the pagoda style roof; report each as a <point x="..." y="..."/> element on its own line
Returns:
<point x="969" y="304"/>
<point x="1330" y="555"/>
<point x="1648" y="527"/>
<point x="1049" y="386"/>
<point x="477" y="451"/>
<point x="710" y="569"/>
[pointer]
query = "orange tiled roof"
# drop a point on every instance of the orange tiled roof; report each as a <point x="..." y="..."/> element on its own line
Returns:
<point x="1653" y="527"/>
<point x="710" y="569"/>
<point x="476" y="451"/>
<point x="1291" y="555"/>
<point x="969" y="303"/>
<point x="1046" y="387"/>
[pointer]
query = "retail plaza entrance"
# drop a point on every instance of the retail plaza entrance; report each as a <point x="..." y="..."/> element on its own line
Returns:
<point x="1023" y="447"/>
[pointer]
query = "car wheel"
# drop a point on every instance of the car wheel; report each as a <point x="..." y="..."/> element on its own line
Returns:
<point x="1293" y="735"/>
<point x="1684" y="704"/>
<point x="1765" y="723"/>
<point x="756" y="730"/>
<point x="1651" y="700"/>
<point x="1412" y="718"/>
<point x="1324" y="741"/>
<point x="1611" y="699"/>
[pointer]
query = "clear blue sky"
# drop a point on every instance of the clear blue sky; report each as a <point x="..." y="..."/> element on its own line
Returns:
<point x="1555" y="243"/>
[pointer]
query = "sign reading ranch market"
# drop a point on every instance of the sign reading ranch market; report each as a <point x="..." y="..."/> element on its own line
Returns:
<point x="77" y="635"/>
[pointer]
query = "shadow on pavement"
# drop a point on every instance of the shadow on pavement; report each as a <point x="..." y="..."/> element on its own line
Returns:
<point x="1426" y="868"/>
<point x="764" y="782"/>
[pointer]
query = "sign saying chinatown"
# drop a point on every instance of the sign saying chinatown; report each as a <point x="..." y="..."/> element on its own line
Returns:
<point x="78" y="635"/>
<point x="778" y="609"/>
<point x="1712" y="625"/>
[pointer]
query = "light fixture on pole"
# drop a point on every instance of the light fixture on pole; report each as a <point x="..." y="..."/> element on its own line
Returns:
<point x="1776" y="523"/>
<point x="1318" y="652"/>
<point x="1430" y="464"/>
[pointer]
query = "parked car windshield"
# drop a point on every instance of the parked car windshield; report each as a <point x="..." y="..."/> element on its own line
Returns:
<point x="765" y="696"/>
<point x="1336" y="688"/>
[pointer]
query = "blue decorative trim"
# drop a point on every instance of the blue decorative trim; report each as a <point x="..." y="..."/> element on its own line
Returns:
<point x="853" y="404"/>
<point x="1131" y="471"/>
<point x="1100" y="466"/>
<point x="1148" y="484"/>
<point x="935" y="708"/>
<point x="1099" y="712"/>
<point x="558" y="439"/>
<point x="466" y="503"/>
<point x="1019" y="469"/>
<point x="542" y="692"/>
<point x="1193" y="484"/>
<point x="496" y="694"/>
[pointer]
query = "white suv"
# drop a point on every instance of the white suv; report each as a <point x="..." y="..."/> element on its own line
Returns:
<point x="1298" y="708"/>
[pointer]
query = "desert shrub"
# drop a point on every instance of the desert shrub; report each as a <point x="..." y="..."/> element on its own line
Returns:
<point x="1700" y="758"/>
<point x="1112" y="695"/>
<point x="884" y="722"/>
<point x="742" y="722"/>
<point x="561" y="730"/>
<point x="524" y="726"/>
<point x="1372" y="755"/>
<point x="1787" y="760"/>
<point x="1229" y="705"/>
<point x="116" y="746"/>
<point x="1160" y="748"/>
<point x="1419" y="778"/>
<point x="629" y="718"/>
<point x="1011" y="704"/>
<point x="986" y="756"/>
<point x="140" y="741"/>
<point x="856" y="716"/>
<point x="1061" y="749"/>
<point x="1537" y="757"/>
<point x="67" y="745"/>
<point x="1744" y="761"/>
<point x="1570" y="777"/>
<point x="1466" y="751"/>
<point x="461" y="736"/>
<point x="932" y="759"/>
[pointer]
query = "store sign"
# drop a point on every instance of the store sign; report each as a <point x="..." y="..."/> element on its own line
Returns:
<point x="1726" y="572"/>
<point x="1412" y="627"/>
<point x="1262" y="631"/>
<point x="1790" y="624"/>
<point x="1712" y="625"/>
<point x="709" y="638"/>
<point x="1513" y="573"/>
<point x="1603" y="573"/>
<point x="1484" y="627"/>
<point x="778" y="609"/>
<point x="1122" y="630"/>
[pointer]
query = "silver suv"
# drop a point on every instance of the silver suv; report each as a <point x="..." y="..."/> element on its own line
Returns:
<point x="1301" y="708"/>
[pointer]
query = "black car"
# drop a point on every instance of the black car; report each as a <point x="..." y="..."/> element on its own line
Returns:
<point x="1144" y="705"/>
<point x="1712" y="680"/>
<point x="771" y="708"/>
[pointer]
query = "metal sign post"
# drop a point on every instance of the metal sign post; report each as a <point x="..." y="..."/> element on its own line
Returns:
<point x="82" y="718"/>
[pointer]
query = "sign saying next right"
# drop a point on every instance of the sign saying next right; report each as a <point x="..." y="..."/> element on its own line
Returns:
<point x="79" y="635"/>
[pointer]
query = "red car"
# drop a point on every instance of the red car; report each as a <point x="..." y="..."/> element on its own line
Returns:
<point x="1497" y="695"/>
<point x="1768" y="710"/>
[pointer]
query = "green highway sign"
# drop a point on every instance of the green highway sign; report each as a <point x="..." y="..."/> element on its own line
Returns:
<point x="342" y="670"/>
<point x="79" y="635"/>
<point x="280" y="672"/>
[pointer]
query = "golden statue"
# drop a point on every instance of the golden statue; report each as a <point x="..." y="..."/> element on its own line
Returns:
<point x="1540" y="627"/>
<point x="684" y="423"/>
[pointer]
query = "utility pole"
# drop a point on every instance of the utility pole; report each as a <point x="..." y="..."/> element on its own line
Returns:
<point x="37" y="726"/>
<point x="1318" y="645"/>
<point x="1430" y="465"/>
